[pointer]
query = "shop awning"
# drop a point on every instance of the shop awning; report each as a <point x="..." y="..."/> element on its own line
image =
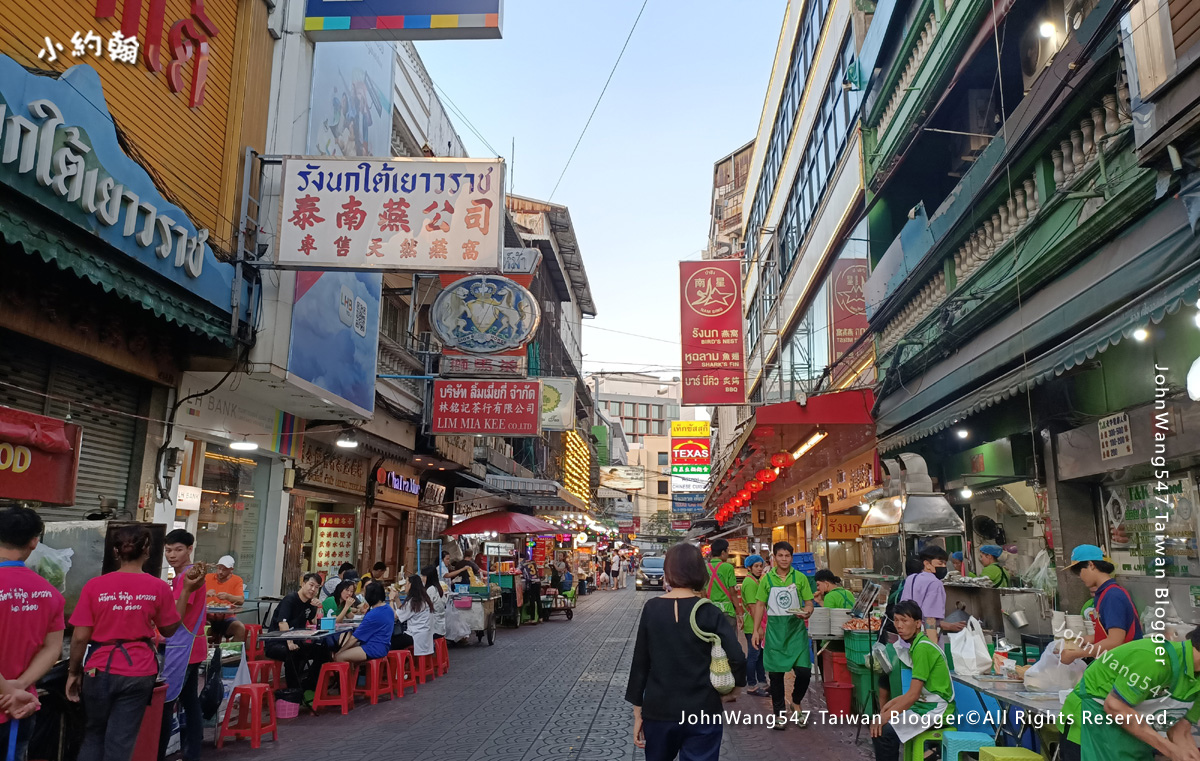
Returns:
<point x="1151" y="305"/>
<point x="503" y="522"/>
<point x="55" y="248"/>
<point x="539" y="493"/>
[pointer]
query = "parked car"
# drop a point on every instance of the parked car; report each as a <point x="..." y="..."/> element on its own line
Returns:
<point x="650" y="573"/>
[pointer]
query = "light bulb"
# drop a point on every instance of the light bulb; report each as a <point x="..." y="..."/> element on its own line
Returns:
<point x="1046" y="29"/>
<point x="966" y="492"/>
<point x="1141" y="334"/>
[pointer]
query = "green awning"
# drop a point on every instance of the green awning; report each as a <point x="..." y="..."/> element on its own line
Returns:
<point x="1165" y="298"/>
<point x="92" y="266"/>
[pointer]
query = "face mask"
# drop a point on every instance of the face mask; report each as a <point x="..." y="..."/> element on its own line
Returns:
<point x="940" y="572"/>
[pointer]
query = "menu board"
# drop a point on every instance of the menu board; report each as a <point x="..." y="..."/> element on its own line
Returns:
<point x="543" y="547"/>
<point x="1152" y="526"/>
<point x="335" y="539"/>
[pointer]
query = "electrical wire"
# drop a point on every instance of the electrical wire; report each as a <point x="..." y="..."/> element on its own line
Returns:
<point x="598" y="99"/>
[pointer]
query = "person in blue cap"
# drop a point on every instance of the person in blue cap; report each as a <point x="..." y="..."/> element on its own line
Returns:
<point x="989" y="559"/>
<point x="1114" y="614"/>
<point x="756" y="675"/>
<point x="961" y="565"/>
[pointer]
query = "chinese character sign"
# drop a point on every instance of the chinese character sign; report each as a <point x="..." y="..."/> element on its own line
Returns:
<point x="492" y="408"/>
<point x="426" y="215"/>
<point x="334" y="543"/>
<point x="710" y="295"/>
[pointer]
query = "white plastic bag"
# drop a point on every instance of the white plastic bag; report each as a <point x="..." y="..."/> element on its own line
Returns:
<point x="1041" y="575"/>
<point x="969" y="650"/>
<point x="51" y="564"/>
<point x="1050" y="674"/>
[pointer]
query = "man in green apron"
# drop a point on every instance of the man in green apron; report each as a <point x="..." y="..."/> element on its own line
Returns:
<point x="930" y="696"/>
<point x="830" y="592"/>
<point x="722" y="580"/>
<point x="1130" y="696"/>
<point x="786" y="600"/>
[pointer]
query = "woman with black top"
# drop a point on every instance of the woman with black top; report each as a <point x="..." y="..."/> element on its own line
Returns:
<point x="669" y="678"/>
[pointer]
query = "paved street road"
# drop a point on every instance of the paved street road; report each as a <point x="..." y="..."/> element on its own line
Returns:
<point x="552" y="691"/>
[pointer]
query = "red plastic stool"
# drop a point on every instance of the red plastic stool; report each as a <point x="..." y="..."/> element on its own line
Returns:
<point x="442" y="651"/>
<point x="254" y="646"/>
<point x="426" y="667"/>
<point x="379" y="679"/>
<point x="264" y="672"/>
<point x="250" y="700"/>
<point x="344" y="699"/>
<point x="403" y="673"/>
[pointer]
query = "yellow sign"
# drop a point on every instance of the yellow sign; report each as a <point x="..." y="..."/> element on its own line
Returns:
<point x="842" y="527"/>
<point x="684" y="428"/>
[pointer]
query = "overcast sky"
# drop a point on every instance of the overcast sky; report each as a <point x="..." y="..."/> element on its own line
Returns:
<point x="688" y="91"/>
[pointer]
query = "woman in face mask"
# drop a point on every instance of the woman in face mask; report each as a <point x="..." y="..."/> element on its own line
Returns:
<point x="926" y="590"/>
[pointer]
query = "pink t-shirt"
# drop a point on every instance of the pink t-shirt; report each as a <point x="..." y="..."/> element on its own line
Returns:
<point x="125" y="606"/>
<point x="30" y="608"/>
<point x="196" y="607"/>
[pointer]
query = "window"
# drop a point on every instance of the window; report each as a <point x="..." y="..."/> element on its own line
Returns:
<point x="662" y="487"/>
<point x="643" y="426"/>
<point x="658" y="412"/>
<point x="660" y="428"/>
<point x="393" y="320"/>
<point x="664" y="458"/>
<point x="643" y="410"/>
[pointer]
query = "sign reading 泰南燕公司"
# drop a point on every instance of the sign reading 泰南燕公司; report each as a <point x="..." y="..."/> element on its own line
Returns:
<point x="486" y="408"/>
<point x="710" y="296"/>
<point x="424" y="215"/>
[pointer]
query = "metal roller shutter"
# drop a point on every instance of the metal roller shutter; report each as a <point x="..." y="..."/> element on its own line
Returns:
<point x="109" y="430"/>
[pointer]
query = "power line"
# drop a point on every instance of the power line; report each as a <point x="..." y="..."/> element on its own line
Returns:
<point x="602" y="91"/>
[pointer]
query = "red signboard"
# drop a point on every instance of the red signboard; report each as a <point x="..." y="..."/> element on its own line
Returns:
<point x="847" y="311"/>
<point x="710" y="301"/>
<point x="691" y="452"/>
<point x="681" y="525"/>
<point x="486" y="407"/>
<point x="39" y="458"/>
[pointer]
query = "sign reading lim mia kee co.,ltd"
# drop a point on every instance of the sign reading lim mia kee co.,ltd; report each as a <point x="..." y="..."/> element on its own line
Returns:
<point x="486" y="408"/>
<point x="399" y="214"/>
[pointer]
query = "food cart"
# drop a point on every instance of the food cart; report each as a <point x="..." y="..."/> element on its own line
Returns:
<point x="473" y="611"/>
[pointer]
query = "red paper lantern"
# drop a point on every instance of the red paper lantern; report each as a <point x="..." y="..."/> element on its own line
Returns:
<point x="754" y="485"/>
<point x="744" y="495"/>
<point x="766" y="476"/>
<point x="783" y="459"/>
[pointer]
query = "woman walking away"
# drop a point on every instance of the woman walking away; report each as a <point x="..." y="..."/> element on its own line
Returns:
<point x="676" y="709"/>
<point x="417" y="613"/>
<point x="117" y="614"/>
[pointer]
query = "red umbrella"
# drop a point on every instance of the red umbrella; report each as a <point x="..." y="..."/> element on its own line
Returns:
<point x="503" y="522"/>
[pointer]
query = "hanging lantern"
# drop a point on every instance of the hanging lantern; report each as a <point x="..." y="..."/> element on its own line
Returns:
<point x="754" y="485"/>
<point x="766" y="476"/>
<point x="744" y="495"/>
<point x="783" y="459"/>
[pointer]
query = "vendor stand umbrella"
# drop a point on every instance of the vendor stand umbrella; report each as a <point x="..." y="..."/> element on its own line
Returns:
<point x="503" y="522"/>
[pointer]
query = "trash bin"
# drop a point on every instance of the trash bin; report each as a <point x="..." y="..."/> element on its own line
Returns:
<point x="146" y="748"/>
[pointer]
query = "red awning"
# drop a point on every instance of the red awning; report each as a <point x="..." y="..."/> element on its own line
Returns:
<point x="840" y="423"/>
<point x="504" y="522"/>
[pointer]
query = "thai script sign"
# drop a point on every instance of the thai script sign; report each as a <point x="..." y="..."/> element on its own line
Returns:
<point x="710" y="301"/>
<point x="684" y="428"/>
<point x="60" y="148"/>
<point x="843" y="527"/>
<point x="424" y="215"/>
<point x="847" y="312"/>
<point x="486" y="408"/>
<point x="687" y="503"/>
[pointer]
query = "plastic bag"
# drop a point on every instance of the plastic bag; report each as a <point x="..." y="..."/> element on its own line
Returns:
<point x="968" y="649"/>
<point x="1041" y="575"/>
<point x="51" y="564"/>
<point x="1050" y="674"/>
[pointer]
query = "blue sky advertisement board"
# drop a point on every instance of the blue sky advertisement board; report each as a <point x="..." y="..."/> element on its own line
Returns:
<point x="335" y="315"/>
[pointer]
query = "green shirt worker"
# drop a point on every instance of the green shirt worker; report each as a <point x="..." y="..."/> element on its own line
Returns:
<point x="722" y="580"/>
<point x="961" y="565"/>
<point x="756" y="676"/>
<point x="830" y="594"/>
<point x="989" y="560"/>
<point x="785" y="601"/>
<point x="930" y="695"/>
<point x="1137" y="700"/>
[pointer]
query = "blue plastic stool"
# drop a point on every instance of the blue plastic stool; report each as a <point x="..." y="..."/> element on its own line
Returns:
<point x="956" y="743"/>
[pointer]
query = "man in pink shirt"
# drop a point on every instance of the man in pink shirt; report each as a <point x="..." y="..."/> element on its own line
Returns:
<point x="31" y="617"/>
<point x="178" y="552"/>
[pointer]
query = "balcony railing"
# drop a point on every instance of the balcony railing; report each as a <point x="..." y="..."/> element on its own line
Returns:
<point x="396" y="358"/>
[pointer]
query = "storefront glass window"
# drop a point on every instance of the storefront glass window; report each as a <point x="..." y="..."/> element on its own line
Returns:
<point x="233" y="488"/>
<point x="1138" y="534"/>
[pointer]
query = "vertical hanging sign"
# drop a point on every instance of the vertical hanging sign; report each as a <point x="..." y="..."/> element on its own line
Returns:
<point x="710" y="301"/>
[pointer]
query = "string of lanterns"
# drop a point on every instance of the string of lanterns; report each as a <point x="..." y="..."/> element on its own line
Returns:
<point x="743" y="499"/>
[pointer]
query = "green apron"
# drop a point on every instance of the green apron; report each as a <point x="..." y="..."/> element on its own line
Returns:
<point x="786" y="644"/>
<point x="1099" y="738"/>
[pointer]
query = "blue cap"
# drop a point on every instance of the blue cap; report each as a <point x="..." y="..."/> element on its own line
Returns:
<point x="991" y="549"/>
<point x="752" y="559"/>
<point x="1085" y="552"/>
<point x="956" y="556"/>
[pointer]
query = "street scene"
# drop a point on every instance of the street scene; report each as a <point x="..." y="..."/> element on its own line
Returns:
<point x="469" y="379"/>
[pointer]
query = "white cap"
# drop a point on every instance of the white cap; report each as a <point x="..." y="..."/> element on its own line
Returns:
<point x="226" y="560"/>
